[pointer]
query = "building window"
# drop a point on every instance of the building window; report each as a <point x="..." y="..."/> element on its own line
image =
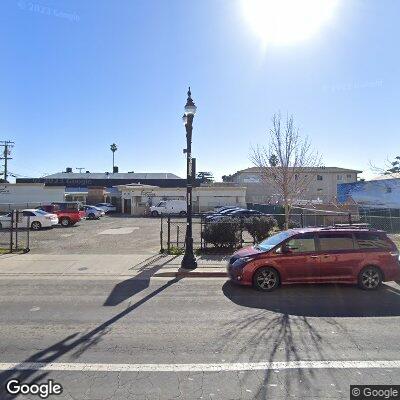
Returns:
<point x="348" y="176"/>
<point x="319" y="177"/>
<point x="340" y="177"/>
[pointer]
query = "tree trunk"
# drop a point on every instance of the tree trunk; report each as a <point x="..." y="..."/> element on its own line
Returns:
<point x="286" y="215"/>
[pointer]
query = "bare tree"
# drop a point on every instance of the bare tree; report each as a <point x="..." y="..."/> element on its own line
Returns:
<point x="287" y="163"/>
<point x="391" y="168"/>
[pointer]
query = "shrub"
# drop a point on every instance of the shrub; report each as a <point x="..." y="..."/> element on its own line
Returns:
<point x="225" y="233"/>
<point x="294" y="224"/>
<point x="260" y="227"/>
<point x="176" y="251"/>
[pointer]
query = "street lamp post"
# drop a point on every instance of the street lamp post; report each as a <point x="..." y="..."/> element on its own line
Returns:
<point x="189" y="260"/>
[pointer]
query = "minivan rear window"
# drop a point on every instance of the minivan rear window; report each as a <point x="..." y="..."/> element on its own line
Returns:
<point x="336" y="241"/>
<point x="371" y="240"/>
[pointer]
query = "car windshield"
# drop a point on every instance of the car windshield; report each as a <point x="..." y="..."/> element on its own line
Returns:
<point x="272" y="241"/>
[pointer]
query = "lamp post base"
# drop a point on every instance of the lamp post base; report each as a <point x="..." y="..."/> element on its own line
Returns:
<point x="189" y="261"/>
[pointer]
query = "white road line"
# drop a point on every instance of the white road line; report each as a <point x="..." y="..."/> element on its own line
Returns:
<point x="275" y="365"/>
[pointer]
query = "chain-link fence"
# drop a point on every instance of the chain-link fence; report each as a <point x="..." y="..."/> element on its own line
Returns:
<point x="387" y="219"/>
<point x="173" y="228"/>
<point x="14" y="232"/>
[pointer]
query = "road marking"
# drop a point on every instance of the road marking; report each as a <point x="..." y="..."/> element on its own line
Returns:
<point x="274" y="365"/>
<point x="118" y="231"/>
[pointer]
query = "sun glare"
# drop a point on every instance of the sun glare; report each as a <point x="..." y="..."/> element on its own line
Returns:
<point x="287" y="21"/>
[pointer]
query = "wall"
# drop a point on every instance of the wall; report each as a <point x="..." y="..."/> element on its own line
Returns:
<point x="28" y="195"/>
<point x="204" y="198"/>
<point x="384" y="193"/>
<point x="259" y="191"/>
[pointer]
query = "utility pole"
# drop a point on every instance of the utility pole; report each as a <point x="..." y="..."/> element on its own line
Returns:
<point x="8" y="145"/>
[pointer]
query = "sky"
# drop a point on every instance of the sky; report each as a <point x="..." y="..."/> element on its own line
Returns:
<point x="76" y="76"/>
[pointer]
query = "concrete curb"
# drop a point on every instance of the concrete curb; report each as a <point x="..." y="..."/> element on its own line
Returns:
<point x="184" y="273"/>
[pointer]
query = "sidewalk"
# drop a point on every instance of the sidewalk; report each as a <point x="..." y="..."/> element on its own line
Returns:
<point x="103" y="265"/>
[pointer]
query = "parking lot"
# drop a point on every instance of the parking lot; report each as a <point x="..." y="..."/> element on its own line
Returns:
<point x="111" y="234"/>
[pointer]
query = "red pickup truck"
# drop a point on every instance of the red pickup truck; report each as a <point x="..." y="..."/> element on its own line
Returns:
<point x="68" y="213"/>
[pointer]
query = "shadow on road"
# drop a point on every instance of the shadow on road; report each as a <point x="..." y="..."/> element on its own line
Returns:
<point x="319" y="300"/>
<point x="128" y="288"/>
<point x="281" y="327"/>
<point x="74" y="344"/>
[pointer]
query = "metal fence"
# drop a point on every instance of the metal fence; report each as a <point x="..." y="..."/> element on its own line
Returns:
<point x="173" y="228"/>
<point x="14" y="233"/>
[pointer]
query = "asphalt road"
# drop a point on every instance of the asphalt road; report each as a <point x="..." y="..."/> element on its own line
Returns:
<point x="81" y="322"/>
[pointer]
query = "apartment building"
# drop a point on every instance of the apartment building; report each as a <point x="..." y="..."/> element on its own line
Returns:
<point x="322" y="188"/>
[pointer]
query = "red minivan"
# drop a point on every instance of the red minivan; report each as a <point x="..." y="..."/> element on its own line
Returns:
<point x="366" y="257"/>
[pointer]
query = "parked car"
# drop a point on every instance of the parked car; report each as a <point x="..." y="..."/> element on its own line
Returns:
<point x="222" y="213"/>
<point x="219" y="209"/>
<point x="37" y="219"/>
<point x="92" y="212"/>
<point x="67" y="216"/>
<point x="106" y="207"/>
<point x="238" y="213"/>
<point x="169" y="207"/>
<point x="102" y="212"/>
<point x="365" y="257"/>
<point x="53" y="217"/>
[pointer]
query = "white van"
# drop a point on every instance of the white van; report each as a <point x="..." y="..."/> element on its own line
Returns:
<point x="169" y="207"/>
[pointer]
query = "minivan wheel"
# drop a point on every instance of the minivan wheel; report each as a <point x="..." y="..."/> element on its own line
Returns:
<point x="370" y="278"/>
<point x="154" y="213"/>
<point x="266" y="279"/>
<point x="65" y="222"/>
<point x="36" y="225"/>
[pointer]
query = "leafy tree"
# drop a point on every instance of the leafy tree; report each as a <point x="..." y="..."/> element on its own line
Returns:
<point x="394" y="166"/>
<point x="204" y="176"/>
<point x="273" y="160"/>
<point x="226" y="178"/>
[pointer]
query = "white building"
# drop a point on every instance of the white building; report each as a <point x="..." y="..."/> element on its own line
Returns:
<point x="136" y="198"/>
<point x="322" y="188"/>
<point x="26" y="195"/>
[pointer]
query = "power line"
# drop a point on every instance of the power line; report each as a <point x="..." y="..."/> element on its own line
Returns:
<point x="8" y="145"/>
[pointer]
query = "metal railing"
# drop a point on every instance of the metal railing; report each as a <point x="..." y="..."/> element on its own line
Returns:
<point x="173" y="228"/>
<point x="14" y="233"/>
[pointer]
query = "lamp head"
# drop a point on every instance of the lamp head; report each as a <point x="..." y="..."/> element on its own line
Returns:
<point x="190" y="107"/>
